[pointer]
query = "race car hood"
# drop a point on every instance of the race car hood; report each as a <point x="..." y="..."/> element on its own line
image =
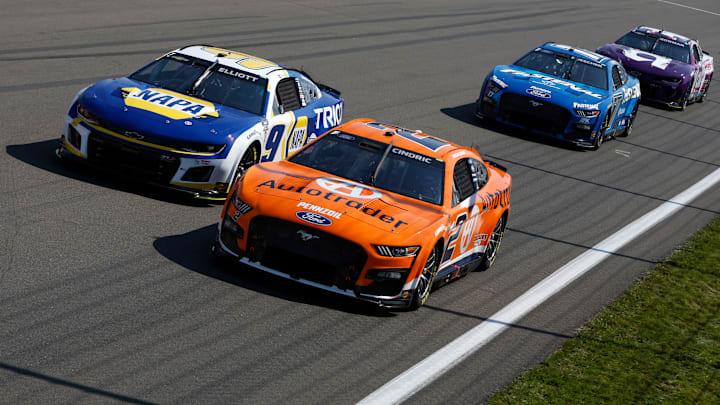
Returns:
<point x="129" y="105"/>
<point x="635" y="60"/>
<point x="561" y="92"/>
<point x="289" y="191"/>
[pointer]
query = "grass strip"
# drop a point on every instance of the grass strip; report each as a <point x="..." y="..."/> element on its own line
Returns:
<point x="658" y="344"/>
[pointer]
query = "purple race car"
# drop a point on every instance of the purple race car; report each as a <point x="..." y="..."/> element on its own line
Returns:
<point x="672" y="69"/>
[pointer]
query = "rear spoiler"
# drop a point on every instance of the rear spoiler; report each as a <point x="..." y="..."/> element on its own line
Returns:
<point x="323" y="87"/>
<point x="497" y="165"/>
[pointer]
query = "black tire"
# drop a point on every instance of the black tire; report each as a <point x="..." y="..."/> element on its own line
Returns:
<point x="427" y="277"/>
<point x="493" y="245"/>
<point x="628" y="129"/>
<point x="249" y="158"/>
<point x="704" y="95"/>
<point x="686" y="99"/>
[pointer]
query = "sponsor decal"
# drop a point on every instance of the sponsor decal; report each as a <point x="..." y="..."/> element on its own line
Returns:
<point x="584" y="106"/>
<point x="538" y="92"/>
<point x="411" y="155"/>
<point x="298" y="137"/>
<point x="313" y="218"/>
<point x="552" y="80"/>
<point x="337" y="197"/>
<point x="584" y="120"/>
<point x="480" y="238"/>
<point x="319" y="209"/>
<point x="168" y="103"/>
<point x="674" y="42"/>
<point x="348" y="189"/>
<point x="328" y="116"/>
<point x="631" y="93"/>
<point x="238" y="74"/>
<point x="491" y="201"/>
<point x="587" y="62"/>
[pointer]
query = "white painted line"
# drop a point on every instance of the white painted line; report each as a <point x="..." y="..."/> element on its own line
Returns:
<point x="426" y="371"/>
<point x="691" y="8"/>
<point x="622" y="152"/>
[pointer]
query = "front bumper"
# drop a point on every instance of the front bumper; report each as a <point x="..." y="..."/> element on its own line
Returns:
<point x="204" y="177"/>
<point x="340" y="269"/>
<point x="659" y="90"/>
<point x="547" y="119"/>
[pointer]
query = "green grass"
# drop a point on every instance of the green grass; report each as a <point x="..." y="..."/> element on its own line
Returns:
<point x="658" y="344"/>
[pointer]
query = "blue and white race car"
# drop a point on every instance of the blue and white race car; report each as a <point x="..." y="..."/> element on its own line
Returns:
<point x="198" y="116"/>
<point x="564" y="92"/>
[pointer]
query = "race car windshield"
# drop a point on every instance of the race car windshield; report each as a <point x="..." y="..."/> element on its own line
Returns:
<point x="659" y="46"/>
<point x="589" y="73"/>
<point x="565" y="67"/>
<point x="638" y="41"/>
<point x="356" y="158"/>
<point x="233" y="88"/>
<point x="173" y="72"/>
<point x="673" y="50"/>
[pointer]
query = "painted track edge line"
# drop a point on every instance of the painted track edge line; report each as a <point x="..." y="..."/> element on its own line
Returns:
<point x="426" y="371"/>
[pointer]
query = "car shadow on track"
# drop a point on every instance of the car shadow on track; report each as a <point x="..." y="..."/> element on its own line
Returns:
<point x="42" y="155"/>
<point x="192" y="251"/>
<point x="466" y="113"/>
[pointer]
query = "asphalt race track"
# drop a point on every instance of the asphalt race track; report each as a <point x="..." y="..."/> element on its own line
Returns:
<point x="108" y="292"/>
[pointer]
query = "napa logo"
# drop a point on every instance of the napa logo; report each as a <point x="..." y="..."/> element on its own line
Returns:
<point x="298" y="137"/>
<point x="168" y="103"/>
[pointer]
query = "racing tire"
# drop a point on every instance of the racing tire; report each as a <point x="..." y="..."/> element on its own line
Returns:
<point x="704" y="95"/>
<point x="493" y="245"/>
<point x="218" y="254"/>
<point x="601" y="133"/>
<point x="427" y="277"/>
<point x="249" y="158"/>
<point x="686" y="99"/>
<point x="628" y="129"/>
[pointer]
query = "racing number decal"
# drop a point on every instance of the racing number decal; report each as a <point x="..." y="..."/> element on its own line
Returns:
<point x="453" y="237"/>
<point x="464" y="230"/>
<point x="468" y="230"/>
<point x="617" y="99"/>
<point x="272" y="143"/>
<point x="285" y="139"/>
<point x="659" y="62"/>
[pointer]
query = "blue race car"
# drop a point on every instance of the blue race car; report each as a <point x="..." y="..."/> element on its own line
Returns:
<point x="196" y="118"/>
<point x="564" y="92"/>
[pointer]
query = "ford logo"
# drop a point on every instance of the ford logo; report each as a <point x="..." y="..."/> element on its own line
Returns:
<point x="313" y="218"/>
<point x="537" y="92"/>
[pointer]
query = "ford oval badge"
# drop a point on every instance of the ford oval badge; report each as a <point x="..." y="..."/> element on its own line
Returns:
<point x="313" y="218"/>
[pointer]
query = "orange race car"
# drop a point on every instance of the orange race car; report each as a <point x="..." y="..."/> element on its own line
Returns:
<point x="371" y="211"/>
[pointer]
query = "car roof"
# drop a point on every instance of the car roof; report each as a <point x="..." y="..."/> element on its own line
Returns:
<point x="663" y="34"/>
<point x="575" y="51"/>
<point x="408" y="139"/>
<point x="233" y="59"/>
